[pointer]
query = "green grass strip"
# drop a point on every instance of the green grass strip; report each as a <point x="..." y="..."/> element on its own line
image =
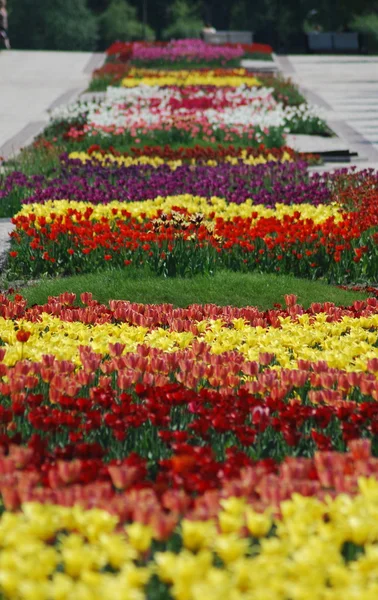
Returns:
<point x="224" y="288"/>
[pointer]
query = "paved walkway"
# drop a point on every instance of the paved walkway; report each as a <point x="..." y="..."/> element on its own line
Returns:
<point x="346" y="87"/>
<point x="31" y="83"/>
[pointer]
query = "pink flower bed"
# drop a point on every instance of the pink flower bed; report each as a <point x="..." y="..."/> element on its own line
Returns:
<point x="192" y="49"/>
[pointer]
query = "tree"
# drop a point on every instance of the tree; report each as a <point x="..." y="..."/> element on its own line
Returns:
<point x="184" y="19"/>
<point x="46" y="25"/>
<point x="368" y="26"/>
<point x="272" y="21"/>
<point x="120" y="22"/>
<point x="98" y="6"/>
<point x="70" y="26"/>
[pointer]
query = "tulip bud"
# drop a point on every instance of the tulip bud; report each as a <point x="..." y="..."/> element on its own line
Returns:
<point x="23" y="336"/>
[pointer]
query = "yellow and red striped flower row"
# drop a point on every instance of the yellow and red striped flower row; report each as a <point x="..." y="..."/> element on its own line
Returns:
<point x="212" y="208"/>
<point x="208" y="77"/>
<point x="317" y="551"/>
<point x="107" y="158"/>
<point x="340" y="337"/>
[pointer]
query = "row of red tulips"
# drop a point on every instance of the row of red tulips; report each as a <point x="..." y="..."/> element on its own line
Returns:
<point x="69" y="308"/>
<point x="129" y="489"/>
<point x="344" y="250"/>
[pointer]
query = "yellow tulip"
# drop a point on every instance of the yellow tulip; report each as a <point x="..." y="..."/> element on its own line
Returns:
<point x="183" y="77"/>
<point x="258" y="524"/>
<point x="193" y="204"/>
<point x="197" y="534"/>
<point x="139" y="536"/>
<point x="230" y="547"/>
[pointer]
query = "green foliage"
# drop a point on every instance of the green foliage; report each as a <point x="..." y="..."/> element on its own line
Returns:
<point x="284" y="90"/>
<point x="368" y="26"/>
<point x="120" y="22"/>
<point x="240" y="16"/>
<point x="334" y="16"/>
<point x="184" y="19"/>
<point x="351" y="551"/>
<point x="98" y="6"/>
<point x="223" y="288"/>
<point x="279" y="14"/>
<point x="277" y="18"/>
<point x="46" y="25"/>
<point x="70" y="26"/>
<point x="178" y="65"/>
<point x="156" y="589"/>
<point x="259" y="56"/>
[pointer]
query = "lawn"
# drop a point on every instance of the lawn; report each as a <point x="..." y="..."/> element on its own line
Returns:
<point x="224" y="288"/>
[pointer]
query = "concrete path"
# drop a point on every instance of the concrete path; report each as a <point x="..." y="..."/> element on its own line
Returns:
<point x="346" y="87"/>
<point x="33" y="82"/>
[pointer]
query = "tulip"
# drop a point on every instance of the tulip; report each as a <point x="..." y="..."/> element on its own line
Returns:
<point x="10" y="498"/>
<point x="123" y="476"/>
<point x="23" y="336"/>
<point x="70" y="472"/>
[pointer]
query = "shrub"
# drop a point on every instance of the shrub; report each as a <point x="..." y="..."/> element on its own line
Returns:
<point x="58" y="25"/>
<point x="120" y="22"/>
<point x="185" y="21"/>
<point x="368" y="26"/>
<point x="70" y="25"/>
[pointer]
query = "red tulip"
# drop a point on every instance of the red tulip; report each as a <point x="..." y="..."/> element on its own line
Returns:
<point x="22" y="335"/>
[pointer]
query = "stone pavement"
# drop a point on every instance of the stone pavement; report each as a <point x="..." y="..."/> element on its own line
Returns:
<point x="346" y="88"/>
<point x="33" y="82"/>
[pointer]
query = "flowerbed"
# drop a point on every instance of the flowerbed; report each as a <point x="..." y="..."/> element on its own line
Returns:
<point x="219" y="384"/>
<point x="339" y="539"/>
<point x="178" y="54"/>
<point x="190" y="52"/>
<point x="148" y="451"/>
<point x="99" y="175"/>
<point x="184" y="52"/>
<point x="111" y="74"/>
<point x="184" y="235"/>
<point x="101" y="178"/>
<point x="200" y="154"/>
<point x="325" y="226"/>
<point x="136" y="462"/>
<point x="210" y="108"/>
<point x="218" y="78"/>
